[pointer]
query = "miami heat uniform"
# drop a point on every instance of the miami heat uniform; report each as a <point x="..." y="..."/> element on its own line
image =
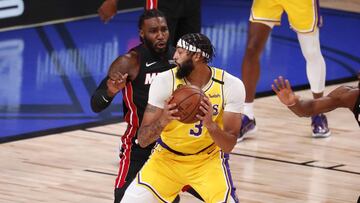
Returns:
<point x="135" y="95"/>
<point x="303" y="15"/>
<point x="185" y="154"/>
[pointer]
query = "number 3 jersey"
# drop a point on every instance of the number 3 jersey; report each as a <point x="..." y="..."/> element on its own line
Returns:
<point x="226" y="93"/>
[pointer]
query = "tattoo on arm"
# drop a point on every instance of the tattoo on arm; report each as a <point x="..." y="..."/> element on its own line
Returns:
<point x="150" y="109"/>
<point x="150" y="132"/>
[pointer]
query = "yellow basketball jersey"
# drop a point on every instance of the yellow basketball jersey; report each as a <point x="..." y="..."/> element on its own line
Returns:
<point x="193" y="138"/>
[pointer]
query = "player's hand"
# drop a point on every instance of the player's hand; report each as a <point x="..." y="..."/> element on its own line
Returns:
<point x="107" y="10"/>
<point x="168" y="113"/>
<point x="207" y="112"/>
<point x="284" y="92"/>
<point x="116" y="82"/>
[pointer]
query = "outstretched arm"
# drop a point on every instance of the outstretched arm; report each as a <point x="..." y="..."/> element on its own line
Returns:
<point x="340" y="97"/>
<point x="115" y="81"/>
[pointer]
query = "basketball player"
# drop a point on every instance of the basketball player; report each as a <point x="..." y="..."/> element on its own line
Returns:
<point x="304" y="19"/>
<point x="343" y="96"/>
<point x="190" y="154"/>
<point x="132" y="73"/>
<point x="182" y="16"/>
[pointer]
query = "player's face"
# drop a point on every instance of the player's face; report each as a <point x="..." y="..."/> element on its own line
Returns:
<point x="184" y="61"/>
<point x="155" y="34"/>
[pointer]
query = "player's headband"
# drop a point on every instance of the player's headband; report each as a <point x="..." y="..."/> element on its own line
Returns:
<point x="190" y="47"/>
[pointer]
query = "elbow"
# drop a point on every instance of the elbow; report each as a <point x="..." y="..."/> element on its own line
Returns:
<point x="94" y="108"/>
<point x="142" y="142"/>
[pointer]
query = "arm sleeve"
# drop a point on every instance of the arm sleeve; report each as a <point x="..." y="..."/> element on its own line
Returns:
<point x="161" y="89"/>
<point x="99" y="99"/>
<point x="234" y="94"/>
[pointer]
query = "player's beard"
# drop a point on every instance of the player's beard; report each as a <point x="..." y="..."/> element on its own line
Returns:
<point x="153" y="49"/>
<point x="185" y="69"/>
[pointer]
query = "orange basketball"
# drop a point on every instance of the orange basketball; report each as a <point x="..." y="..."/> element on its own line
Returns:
<point x="187" y="99"/>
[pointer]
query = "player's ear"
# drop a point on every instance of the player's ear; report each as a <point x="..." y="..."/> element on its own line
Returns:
<point x="197" y="57"/>
<point x="141" y="33"/>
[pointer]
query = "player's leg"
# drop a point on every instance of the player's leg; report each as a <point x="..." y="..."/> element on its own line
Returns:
<point x="257" y="36"/>
<point x="264" y="15"/>
<point x="316" y="71"/>
<point x="132" y="158"/>
<point x="304" y="18"/>
<point x="215" y="171"/>
<point x="137" y="193"/>
<point x="158" y="176"/>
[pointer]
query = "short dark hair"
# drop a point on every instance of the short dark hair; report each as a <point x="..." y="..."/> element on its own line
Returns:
<point x="147" y="14"/>
<point x="201" y="42"/>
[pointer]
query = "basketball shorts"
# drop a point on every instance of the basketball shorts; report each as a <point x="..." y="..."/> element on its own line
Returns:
<point x="303" y="15"/>
<point x="208" y="172"/>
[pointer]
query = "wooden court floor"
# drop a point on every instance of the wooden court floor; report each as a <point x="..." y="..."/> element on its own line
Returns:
<point x="278" y="163"/>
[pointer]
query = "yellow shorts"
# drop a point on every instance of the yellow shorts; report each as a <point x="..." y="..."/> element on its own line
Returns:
<point x="303" y="15"/>
<point x="166" y="173"/>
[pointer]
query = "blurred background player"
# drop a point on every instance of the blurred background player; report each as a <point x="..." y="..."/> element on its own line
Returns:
<point x="304" y="19"/>
<point x="195" y="154"/>
<point x="341" y="97"/>
<point x="183" y="16"/>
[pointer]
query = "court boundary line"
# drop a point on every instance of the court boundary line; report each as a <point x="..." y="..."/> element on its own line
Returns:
<point x="331" y="168"/>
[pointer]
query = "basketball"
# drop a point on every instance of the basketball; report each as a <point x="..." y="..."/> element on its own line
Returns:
<point x="187" y="99"/>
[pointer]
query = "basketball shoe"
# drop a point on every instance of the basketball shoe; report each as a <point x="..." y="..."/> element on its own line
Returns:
<point x="248" y="126"/>
<point x="319" y="126"/>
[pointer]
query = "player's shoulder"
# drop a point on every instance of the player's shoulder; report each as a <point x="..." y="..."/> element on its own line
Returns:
<point x="229" y="78"/>
<point x="165" y="77"/>
<point x="127" y="58"/>
<point x="166" y="74"/>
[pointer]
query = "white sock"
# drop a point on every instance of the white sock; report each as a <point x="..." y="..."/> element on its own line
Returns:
<point x="249" y="110"/>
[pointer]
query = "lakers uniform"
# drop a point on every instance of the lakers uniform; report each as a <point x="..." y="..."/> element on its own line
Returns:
<point x="185" y="154"/>
<point x="303" y="15"/>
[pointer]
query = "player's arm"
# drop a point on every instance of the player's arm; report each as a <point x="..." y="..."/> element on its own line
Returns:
<point x="224" y="138"/>
<point x="340" y="97"/>
<point x="107" y="10"/>
<point x="158" y="112"/>
<point x="154" y="121"/>
<point x="234" y="98"/>
<point x="100" y="99"/>
<point x="123" y="67"/>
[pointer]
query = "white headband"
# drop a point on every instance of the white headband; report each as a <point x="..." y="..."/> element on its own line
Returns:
<point x="192" y="48"/>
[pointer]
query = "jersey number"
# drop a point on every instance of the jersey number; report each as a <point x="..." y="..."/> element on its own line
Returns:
<point x="197" y="130"/>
